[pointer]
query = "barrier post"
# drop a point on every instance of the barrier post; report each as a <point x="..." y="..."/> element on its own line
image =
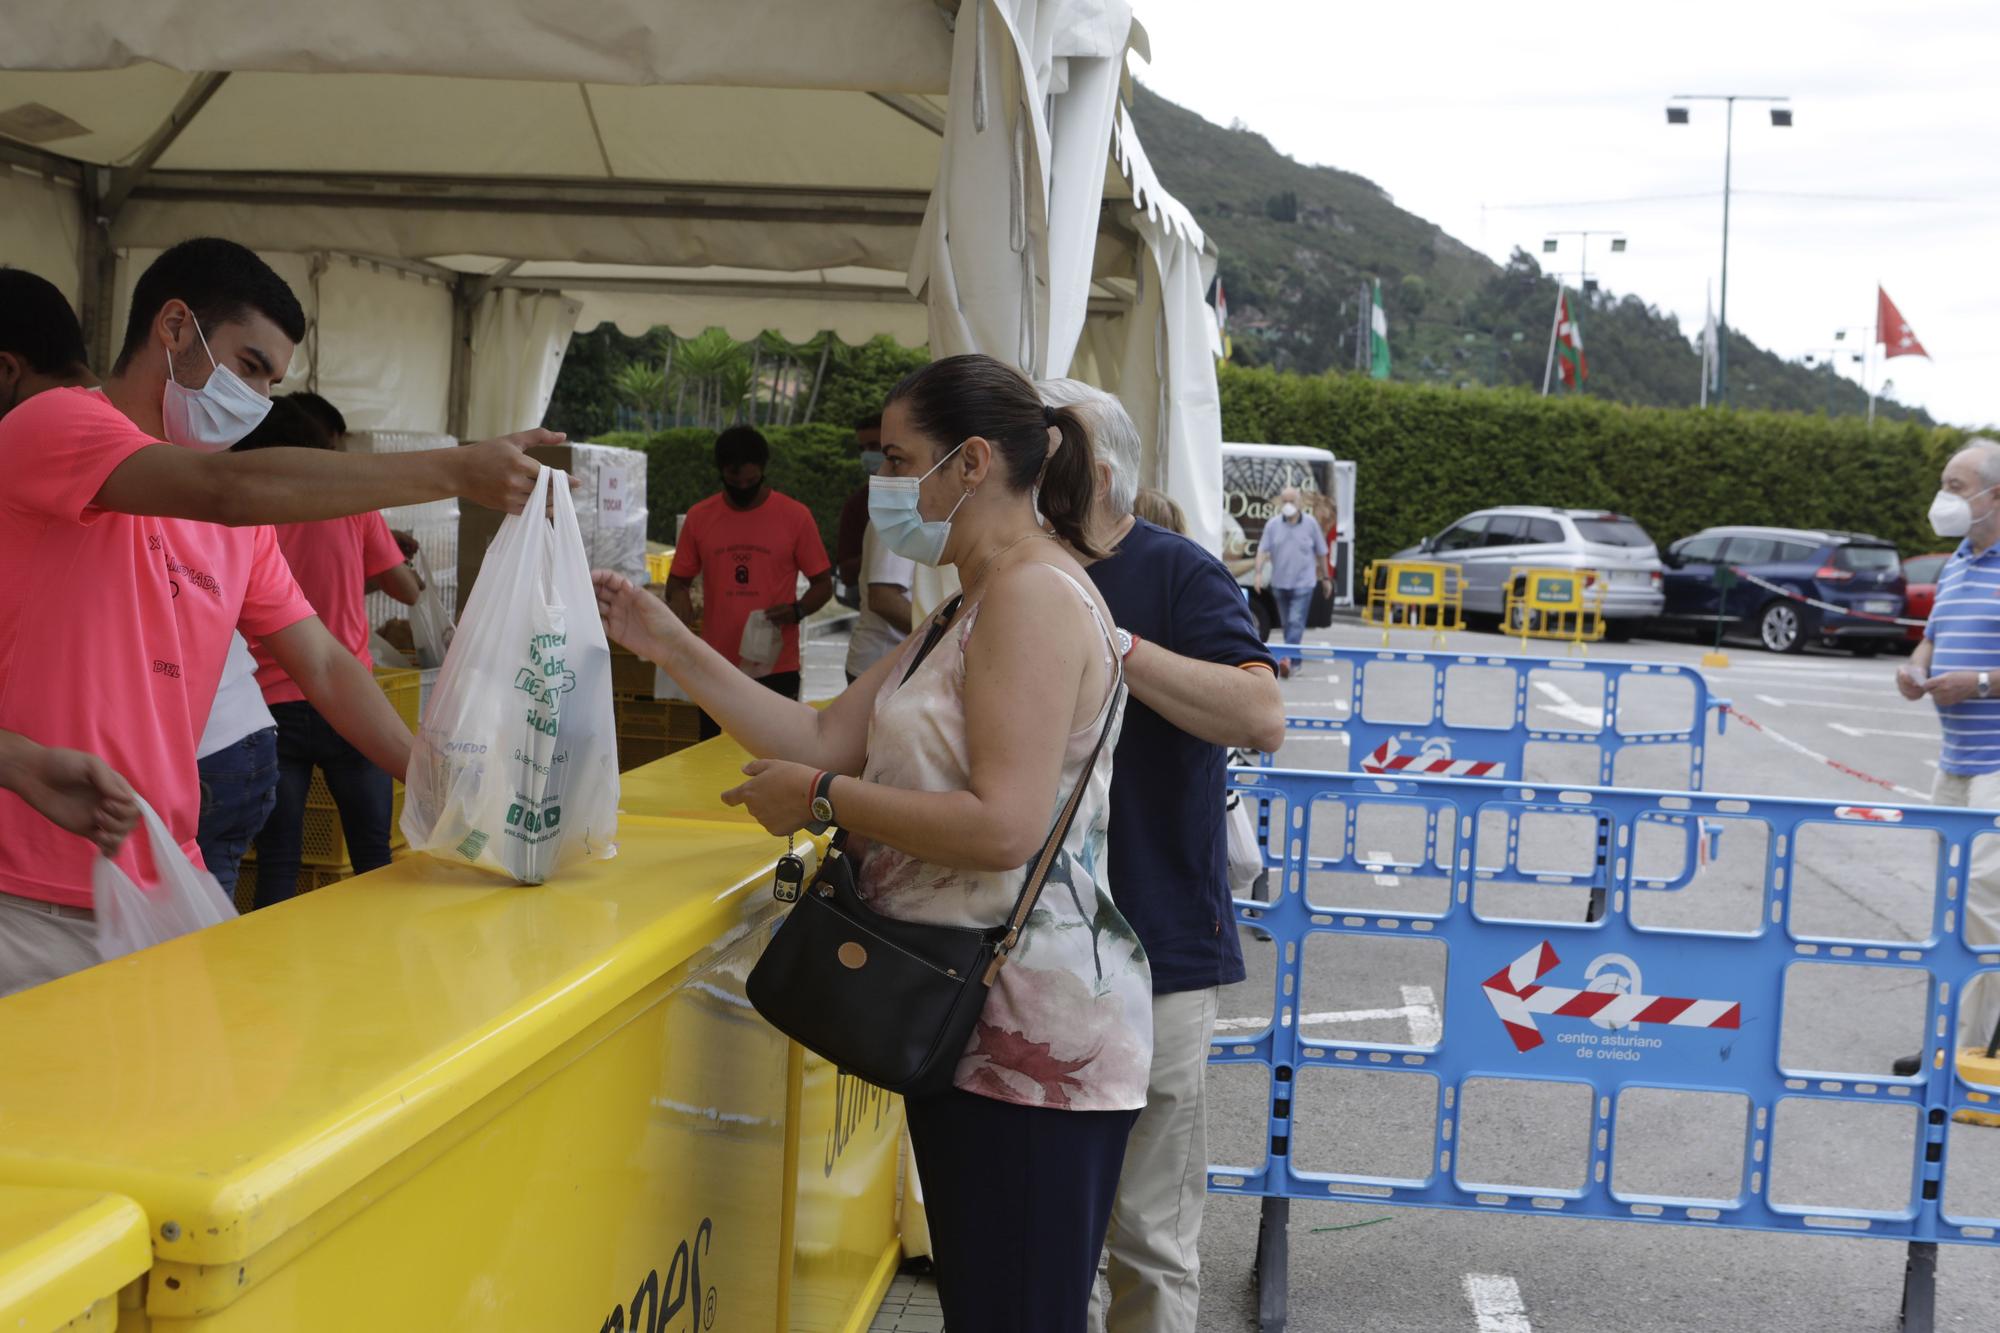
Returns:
<point x="1415" y="594"/>
<point x="1725" y="579"/>
<point x="1546" y="603"/>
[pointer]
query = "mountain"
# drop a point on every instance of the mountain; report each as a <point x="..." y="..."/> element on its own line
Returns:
<point x="1297" y="242"/>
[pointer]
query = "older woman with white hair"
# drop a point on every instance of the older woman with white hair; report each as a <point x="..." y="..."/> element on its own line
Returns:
<point x="1201" y="684"/>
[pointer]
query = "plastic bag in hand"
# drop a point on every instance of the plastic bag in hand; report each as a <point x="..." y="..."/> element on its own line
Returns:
<point x="185" y="899"/>
<point x="761" y="645"/>
<point x="430" y="624"/>
<point x="515" y="766"/>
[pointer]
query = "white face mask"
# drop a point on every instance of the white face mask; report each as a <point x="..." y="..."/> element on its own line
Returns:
<point x="215" y="416"/>
<point x="1289" y="511"/>
<point x="900" y="525"/>
<point x="1951" y="515"/>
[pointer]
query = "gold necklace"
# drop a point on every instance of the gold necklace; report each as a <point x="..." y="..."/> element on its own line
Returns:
<point x="987" y="563"/>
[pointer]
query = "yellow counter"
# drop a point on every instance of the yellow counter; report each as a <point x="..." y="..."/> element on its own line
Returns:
<point x="688" y="784"/>
<point x="425" y="1099"/>
<point x="64" y="1255"/>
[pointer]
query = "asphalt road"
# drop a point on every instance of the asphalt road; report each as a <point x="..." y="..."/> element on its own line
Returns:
<point x="1366" y="1266"/>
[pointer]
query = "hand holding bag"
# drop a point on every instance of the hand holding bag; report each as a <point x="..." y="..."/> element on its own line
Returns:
<point x="892" y="1001"/>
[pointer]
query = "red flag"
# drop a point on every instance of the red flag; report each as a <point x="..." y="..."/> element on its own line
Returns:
<point x="1893" y="330"/>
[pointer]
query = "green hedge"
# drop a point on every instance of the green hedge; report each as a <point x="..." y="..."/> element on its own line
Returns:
<point x="813" y="464"/>
<point x="1427" y="456"/>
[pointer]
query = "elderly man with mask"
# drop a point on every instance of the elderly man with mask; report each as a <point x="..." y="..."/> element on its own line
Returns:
<point x="1291" y="553"/>
<point x="1201" y="683"/>
<point x="1957" y="667"/>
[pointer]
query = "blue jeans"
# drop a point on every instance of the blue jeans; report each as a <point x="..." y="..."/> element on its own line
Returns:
<point x="363" y="794"/>
<point x="1293" y="604"/>
<point x="239" y="785"/>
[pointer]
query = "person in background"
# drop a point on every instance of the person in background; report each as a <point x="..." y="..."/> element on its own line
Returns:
<point x="135" y="547"/>
<point x="1201" y="684"/>
<point x="1291" y="554"/>
<point x="1156" y="507"/>
<point x="337" y="562"/>
<point x="949" y="781"/>
<point x="885" y="606"/>
<point x="41" y="342"/>
<point x="330" y="418"/>
<point x="1957" y="667"/>
<point x="847" y="553"/>
<point x="749" y="545"/>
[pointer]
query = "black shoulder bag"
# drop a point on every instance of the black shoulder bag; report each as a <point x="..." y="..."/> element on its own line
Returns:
<point x="893" y="1002"/>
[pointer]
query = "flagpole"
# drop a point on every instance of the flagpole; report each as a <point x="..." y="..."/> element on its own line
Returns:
<point x="1361" y="329"/>
<point x="1868" y="366"/>
<point x="1555" y="325"/>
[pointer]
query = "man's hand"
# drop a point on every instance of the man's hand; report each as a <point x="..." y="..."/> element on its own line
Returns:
<point x="80" y="793"/>
<point x="497" y="474"/>
<point x="1908" y="683"/>
<point x="634" y="617"/>
<point x="406" y="543"/>
<point x="1953" y="687"/>
<point x="784" y="613"/>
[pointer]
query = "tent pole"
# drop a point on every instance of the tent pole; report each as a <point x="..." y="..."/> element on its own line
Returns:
<point x="464" y="297"/>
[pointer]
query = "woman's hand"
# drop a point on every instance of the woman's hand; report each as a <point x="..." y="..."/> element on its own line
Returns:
<point x="634" y="617"/>
<point x="778" y="795"/>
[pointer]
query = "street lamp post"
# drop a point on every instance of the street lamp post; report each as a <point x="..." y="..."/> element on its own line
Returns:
<point x="1781" y="118"/>
<point x="1829" y="357"/>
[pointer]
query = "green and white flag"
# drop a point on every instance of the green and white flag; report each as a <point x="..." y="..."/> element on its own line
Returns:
<point x="1378" y="338"/>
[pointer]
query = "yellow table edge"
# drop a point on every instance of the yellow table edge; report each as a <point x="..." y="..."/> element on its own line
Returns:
<point x="63" y="1252"/>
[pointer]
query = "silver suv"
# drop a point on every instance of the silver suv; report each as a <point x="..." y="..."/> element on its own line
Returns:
<point x="1491" y="543"/>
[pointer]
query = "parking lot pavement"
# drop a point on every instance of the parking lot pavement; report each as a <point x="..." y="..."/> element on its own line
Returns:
<point x="1363" y="1266"/>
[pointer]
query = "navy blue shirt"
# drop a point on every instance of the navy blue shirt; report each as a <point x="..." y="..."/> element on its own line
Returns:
<point x="1168" y="844"/>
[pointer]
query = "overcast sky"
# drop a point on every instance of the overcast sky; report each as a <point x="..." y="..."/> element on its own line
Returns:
<point x="1470" y="113"/>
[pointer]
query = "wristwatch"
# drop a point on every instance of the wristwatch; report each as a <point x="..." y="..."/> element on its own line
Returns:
<point x="1985" y="685"/>
<point x="822" y="803"/>
<point x="1127" y="641"/>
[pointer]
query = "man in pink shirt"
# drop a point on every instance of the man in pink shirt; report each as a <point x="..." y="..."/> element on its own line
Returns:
<point x="337" y="562"/>
<point x="749" y="545"/>
<point x="133" y="559"/>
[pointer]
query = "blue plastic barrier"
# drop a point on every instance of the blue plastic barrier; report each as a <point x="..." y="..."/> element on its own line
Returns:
<point x="1463" y="734"/>
<point x="1612" y="998"/>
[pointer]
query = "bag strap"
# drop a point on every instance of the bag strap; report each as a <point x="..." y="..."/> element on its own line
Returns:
<point x="938" y="624"/>
<point x="1038" y="869"/>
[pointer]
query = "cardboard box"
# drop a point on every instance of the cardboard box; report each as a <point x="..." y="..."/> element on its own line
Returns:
<point x="610" y="508"/>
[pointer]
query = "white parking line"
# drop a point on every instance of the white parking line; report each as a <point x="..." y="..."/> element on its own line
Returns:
<point x="1858" y="732"/>
<point x="1569" y="709"/>
<point x="1776" y="702"/>
<point x="1419" y="1009"/>
<point x="1496" y="1303"/>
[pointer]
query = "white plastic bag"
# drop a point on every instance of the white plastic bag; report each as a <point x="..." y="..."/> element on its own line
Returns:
<point x="130" y="918"/>
<point x="430" y="624"/>
<point x="515" y="766"/>
<point x="1246" y="858"/>
<point x="759" y="648"/>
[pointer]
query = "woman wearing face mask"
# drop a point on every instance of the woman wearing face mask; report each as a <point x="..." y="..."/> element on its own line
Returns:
<point x="953" y="778"/>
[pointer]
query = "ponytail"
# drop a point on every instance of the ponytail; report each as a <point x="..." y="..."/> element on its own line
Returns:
<point x="1069" y="483"/>
<point x="963" y="396"/>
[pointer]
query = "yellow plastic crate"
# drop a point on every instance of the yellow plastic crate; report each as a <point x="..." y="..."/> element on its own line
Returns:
<point x="659" y="564"/>
<point x="322" y="841"/>
<point x="405" y="688"/>
<point x="310" y="878"/>
<point x="662" y="719"/>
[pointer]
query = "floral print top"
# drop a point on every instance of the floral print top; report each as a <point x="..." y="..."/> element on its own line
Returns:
<point x="1069" y="1022"/>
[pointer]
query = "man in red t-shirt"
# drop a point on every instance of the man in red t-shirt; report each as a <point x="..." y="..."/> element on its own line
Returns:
<point x="749" y="545"/>
<point x="136" y="548"/>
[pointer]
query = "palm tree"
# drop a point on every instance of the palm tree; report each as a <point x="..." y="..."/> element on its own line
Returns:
<point x="642" y="384"/>
<point x="715" y="367"/>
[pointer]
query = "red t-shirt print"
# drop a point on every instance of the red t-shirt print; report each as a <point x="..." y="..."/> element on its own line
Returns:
<point x="749" y="560"/>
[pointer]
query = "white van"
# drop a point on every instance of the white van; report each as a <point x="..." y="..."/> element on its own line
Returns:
<point x="1252" y="477"/>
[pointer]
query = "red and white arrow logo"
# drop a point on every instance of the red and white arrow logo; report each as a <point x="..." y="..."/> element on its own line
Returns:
<point x="1516" y="998"/>
<point x="1434" y="759"/>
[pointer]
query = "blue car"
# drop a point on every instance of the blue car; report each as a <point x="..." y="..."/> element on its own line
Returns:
<point x="1857" y="579"/>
